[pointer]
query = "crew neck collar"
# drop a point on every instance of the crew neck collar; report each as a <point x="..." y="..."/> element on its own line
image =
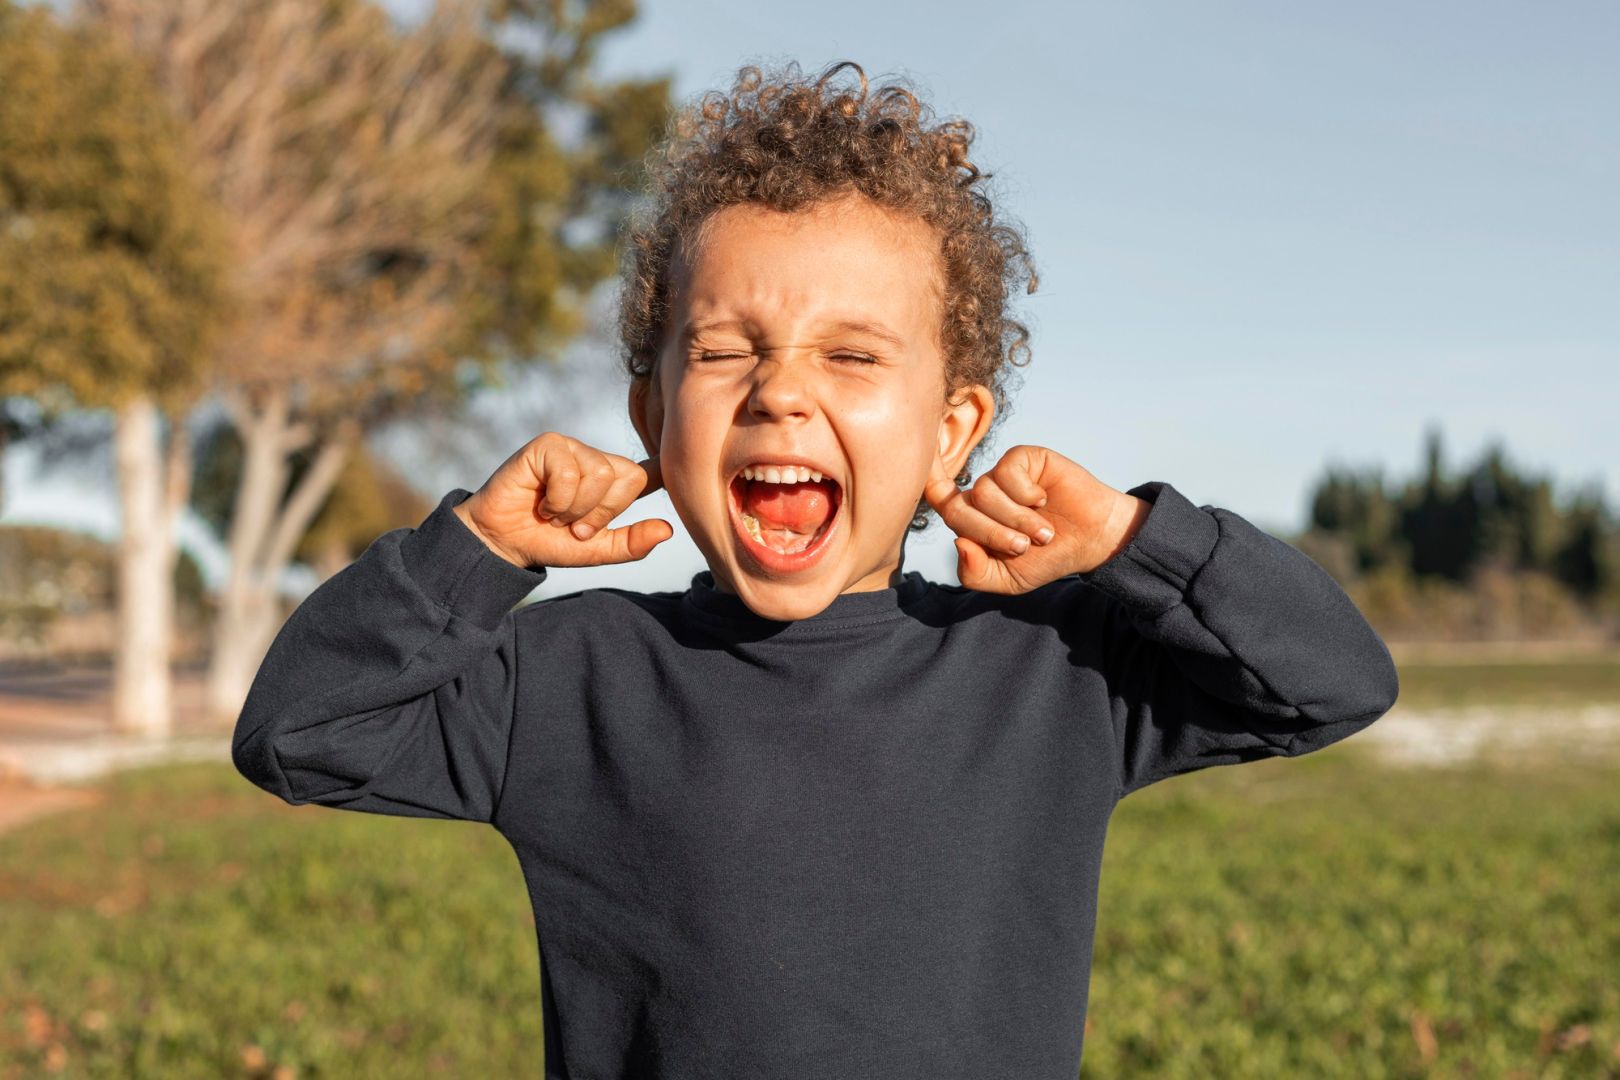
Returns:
<point x="846" y="608"/>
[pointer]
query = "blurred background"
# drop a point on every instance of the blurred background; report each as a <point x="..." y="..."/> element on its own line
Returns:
<point x="275" y="275"/>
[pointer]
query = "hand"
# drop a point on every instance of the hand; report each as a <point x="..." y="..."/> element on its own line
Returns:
<point x="548" y="505"/>
<point x="1034" y="517"/>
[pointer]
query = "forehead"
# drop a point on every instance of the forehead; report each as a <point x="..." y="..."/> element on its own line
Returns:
<point x="842" y="260"/>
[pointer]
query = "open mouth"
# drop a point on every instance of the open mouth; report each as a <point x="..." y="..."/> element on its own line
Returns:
<point x="784" y="527"/>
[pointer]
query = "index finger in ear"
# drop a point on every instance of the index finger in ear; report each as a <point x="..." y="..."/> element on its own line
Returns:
<point x="655" y="475"/>
<point x="939" y="491"/>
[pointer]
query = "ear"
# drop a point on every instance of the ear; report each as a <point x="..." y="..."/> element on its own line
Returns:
<point x="966" y="418"/>
<point x="646" y="403"/>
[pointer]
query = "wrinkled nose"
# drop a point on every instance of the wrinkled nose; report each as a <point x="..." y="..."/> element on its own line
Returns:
<point x="780" y="391"/>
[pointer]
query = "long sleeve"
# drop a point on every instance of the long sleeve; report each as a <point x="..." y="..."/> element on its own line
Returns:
<point x="391" y="688"/>
<point x="1228" y="644"/>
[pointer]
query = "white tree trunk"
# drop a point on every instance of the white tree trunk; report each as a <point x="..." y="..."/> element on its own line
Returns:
<point x="141" y="686"/>
<point x="265" y="530"/>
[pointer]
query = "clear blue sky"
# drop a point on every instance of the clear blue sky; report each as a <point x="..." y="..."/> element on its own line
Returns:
<point x="1271" y="236"/>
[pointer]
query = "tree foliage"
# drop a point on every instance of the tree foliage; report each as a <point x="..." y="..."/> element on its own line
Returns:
<point x="111" y="258"/>
<point x="1489" y="518"/>
<point x="568" y="165"/>
<point x="409" y="205"/>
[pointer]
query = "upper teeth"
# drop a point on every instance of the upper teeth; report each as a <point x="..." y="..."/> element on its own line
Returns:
<point x="786" y="474"/>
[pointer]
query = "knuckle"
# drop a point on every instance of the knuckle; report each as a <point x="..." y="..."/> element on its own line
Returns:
<point x="1010" y="470"/>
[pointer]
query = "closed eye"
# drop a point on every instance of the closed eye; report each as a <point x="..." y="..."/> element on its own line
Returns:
<point x="861" y="358"/>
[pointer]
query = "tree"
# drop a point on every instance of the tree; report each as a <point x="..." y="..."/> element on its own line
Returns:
<point x="406" y="222"/>
<point x="111" y="291"/>
<point x="1493" y="533"/>
<point x="369" y="498"/>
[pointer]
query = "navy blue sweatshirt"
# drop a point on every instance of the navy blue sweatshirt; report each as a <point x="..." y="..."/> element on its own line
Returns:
<point x="863" y="844"/>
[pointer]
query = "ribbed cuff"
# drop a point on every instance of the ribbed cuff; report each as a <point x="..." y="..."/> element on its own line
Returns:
<point x="458" y="571"/>
<point x="1151" y="572"/>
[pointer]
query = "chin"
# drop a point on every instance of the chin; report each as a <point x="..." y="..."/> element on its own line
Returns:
<point x="786" y="601"/>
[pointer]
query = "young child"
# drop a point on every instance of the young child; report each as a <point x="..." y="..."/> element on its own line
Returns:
<point x="814" y="815"/>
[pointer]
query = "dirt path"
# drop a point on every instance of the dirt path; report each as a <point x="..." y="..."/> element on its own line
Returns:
<point x="22" y="801"/>
<point x="1522" y="733"/>
<point x="56" y="736"/>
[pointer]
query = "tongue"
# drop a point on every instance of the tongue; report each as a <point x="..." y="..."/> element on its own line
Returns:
<point x="801" y="508"/>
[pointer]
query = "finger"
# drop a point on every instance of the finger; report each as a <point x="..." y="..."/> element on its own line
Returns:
<point x="627" y="543"/>
<point x="988" y="496"/>
<point x="970" y="562"/>
<point x="967" y="520"/>
<point x="1013" y="474"/>
<point x="613" y="502"/>
<point x="977" y="569"/>
<point x="939" y="491"/>
<point x="655" y="475"/>
<point x="597" y="475"/>
<point x="560" y="476"/>
<point x="941" y="486"/>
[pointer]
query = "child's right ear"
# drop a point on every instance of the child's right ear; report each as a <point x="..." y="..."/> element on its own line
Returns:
<point x="647" y="413"/>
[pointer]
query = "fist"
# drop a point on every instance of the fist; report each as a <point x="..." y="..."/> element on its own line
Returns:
<point x="1034" y="517"/>
<point x="549" y="505"/>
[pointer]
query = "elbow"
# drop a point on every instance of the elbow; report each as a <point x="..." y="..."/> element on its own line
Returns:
<point x="1392" y="687"/>
<point x="1385" y="682"/>
<point x="1370" y="682"/>
<point x="1378" y="685"/>
<point x="253" y="754"/>
<point x="243" y="757"/>
<point x="1382" y="688"/>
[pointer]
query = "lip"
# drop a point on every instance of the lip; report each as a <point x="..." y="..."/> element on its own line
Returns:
<point x="768" y="559"/>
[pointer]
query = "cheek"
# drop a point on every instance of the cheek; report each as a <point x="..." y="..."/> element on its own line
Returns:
<point x="691" y="449"/>
<point x="897" y="438"/>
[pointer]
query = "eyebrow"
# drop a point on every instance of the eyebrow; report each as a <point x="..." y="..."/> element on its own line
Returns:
<point x="860" y="326"/>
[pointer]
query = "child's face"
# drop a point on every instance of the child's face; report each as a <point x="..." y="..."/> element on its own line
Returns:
<point x="760" y="364"/>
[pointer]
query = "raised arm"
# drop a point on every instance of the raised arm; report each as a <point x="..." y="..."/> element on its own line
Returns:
<point x="390" y="689"/>
<point x="1226" y="644"/>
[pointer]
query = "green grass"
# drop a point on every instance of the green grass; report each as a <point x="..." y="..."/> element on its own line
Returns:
<point x="1310" y="918"/>
<point x="192" y="918"/>
<point x="1567" y="681"/>
<point x="1324" y="917"/>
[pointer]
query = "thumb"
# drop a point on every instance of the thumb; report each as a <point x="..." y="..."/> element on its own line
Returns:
<point x="628" y="543"/>
<point x="971" y="562"/>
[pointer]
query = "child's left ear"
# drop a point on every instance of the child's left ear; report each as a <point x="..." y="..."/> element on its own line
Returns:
<point x="967" y="417"/>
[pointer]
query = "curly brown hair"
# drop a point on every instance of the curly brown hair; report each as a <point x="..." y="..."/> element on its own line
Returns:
<point x="786" y="142"/>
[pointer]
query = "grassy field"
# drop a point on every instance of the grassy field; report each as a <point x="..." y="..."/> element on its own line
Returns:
<point x="1320" y="917"/>
<point x="1553" y="682"/>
